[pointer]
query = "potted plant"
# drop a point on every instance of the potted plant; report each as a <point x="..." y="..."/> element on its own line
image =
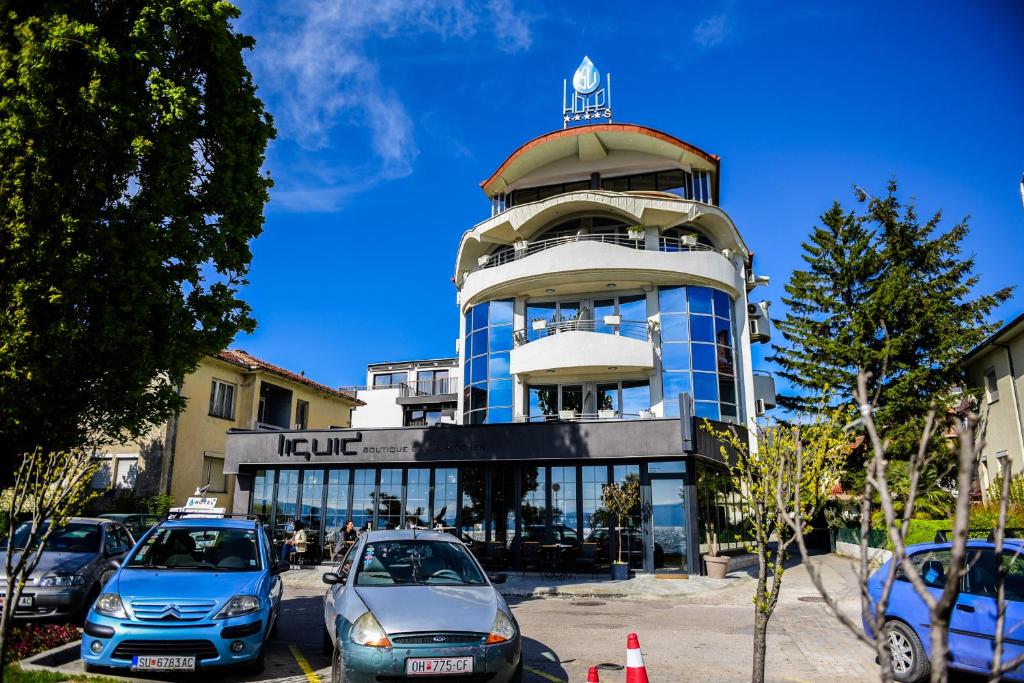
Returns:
<point x="483" y="259"/>
<point x="635" y="232"/>
<point x="519" y="245"/>
<point x="621" y="501"/>
<point x="709" y="484"/>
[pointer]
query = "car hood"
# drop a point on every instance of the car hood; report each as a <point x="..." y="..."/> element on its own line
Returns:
<point x="156" y="584"/>
<point x="405" y="609"/>
<point x="61" y="563"/>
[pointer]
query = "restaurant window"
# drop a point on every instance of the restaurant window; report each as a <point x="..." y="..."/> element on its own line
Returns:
<point x="719" y="509"/>
<point x="388" y="379"/>
<point x="594" y="478"/>
<point x="302" y="414"/>
<point x="312" y="504"/>
<point x="564" y="519"/>
<point x="363" y="493"/>
<point x="389" y="499"/>
<point x="474" y="498"/>
<point x="287" y="501"/>
<point x="213" y="473"/>
<point x="417" y="498"/>
<point x="632" y="537"/>
<point x="445" y="492"/>
<point x="336" y="513"/>
<point x="533" y="504"/>
<point x="222" y="399"/>
<point x="263" y="493"/>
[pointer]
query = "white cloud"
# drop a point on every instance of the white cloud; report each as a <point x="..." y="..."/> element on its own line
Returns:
<point x="313" y="62"/>
<point x="712" y="31"/>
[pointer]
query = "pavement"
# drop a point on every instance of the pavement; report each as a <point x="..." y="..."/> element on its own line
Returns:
<point x="696" y="629"/>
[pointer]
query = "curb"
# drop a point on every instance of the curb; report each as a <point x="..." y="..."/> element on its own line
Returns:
<point x="67" y="653"/>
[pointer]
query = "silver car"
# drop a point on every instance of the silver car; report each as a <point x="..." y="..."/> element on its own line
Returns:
<point x="416" y="604"/>
<point x="78" y="559"/>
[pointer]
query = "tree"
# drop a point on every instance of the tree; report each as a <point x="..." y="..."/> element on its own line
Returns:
<point x="621" y="501"/>
<point x="131" y="145"/>
<point x="889" y="295"/>
<point x="48" y="488"/>
<point x="758" y="475"/>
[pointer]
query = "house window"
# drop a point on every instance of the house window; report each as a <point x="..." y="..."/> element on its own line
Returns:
<point x="301" y="414"/>
<point x="222" y="399"/>
<point x="991" y="385"/>
<point x="126" y="472"/>
<point x="213" y="473"/>
<point x="388" y="379"/>
<point x="101" y="477"/>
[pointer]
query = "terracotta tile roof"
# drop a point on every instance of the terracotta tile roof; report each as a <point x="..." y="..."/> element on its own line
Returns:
<point x="247" y="360"/>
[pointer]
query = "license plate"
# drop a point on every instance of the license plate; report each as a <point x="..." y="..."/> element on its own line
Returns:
<point x="23" y="601"/>
<point x="438" y="666"/>
<point x="146" y="663"/>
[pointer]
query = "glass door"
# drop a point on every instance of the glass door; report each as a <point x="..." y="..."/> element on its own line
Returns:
<point x="668" y="511"/>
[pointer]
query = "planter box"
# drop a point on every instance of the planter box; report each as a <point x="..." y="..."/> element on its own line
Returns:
<point x="483" y="260"/>
<point x="688" y="240"/>
<point x="539" y="324"/>
<point x="606" y="414"/>
<point x="620" y="572"/>
<point x="613" y="320"/>
<point x="635" y="234"/>
<point x="566" y="414"/>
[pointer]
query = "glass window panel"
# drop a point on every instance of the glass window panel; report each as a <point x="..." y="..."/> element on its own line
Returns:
<point x="723" y="306"/>
<point x="477" y="397"/>
<point x="725" y="365"/>
<point x="602" y="308"/>
<point x="726" y="390"/>
<point x="671" y="408"/>
<point x="417" y="498"/>
<point x="543" y="400"/>
<point x="729" y="413"/>
<point x="636" y="396"/>
<point x="312" y="501"/>
<point x="389" y="499"/>
<point x="642" y="183"/>
<point x="568" y="310"/>
<point x="674" y="328"/>
<point x="363" y="492"/>
<point x="263" y="493"/>
<point x="572" y="398"/>
<point x="633" y="308"/>
<point x="676" y="356"/>
<point x="501" y="312"/>
<point x="564" y="521"/>
<point x="287" y="500"/>
<point x="615" y="184"/>
<point x="477" y="417"/>
<point x="699" y="299"/>
<point x="672" y="299"/>
<point x="673" y="181"/>
<point x="501" y="338"/>
<point x="706" y="409"/>
<point x="608" y="397"/>
<point x="666" y="467"/>
<point x="702" y="328"/>
<point x="723" y="331"/>
<point x="539" y="311"/>
<point x="548" y="191"/>
<point x="594" y="515"/>
<point x="703" y="357"/>
<point x="479" y="342"/>
<point x="532" y="505"/>
<point x="445" y="493"/>
<point x="676" y="383"/>
<point x="497" y="365"/>
<point x="468" y="323"/>
<point x="478" y="369"/>
<point x="474" y="496"/>
<point x="579" y="185"/>
<point x="499" y="415"/>
<point x="480" y="317"/>
<point x="499" y="392"/>
<point x="705" y="386"/>
<point x="337" y="501"/>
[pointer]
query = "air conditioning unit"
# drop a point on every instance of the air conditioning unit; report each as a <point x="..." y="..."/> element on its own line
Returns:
<point x="760" y="328"/>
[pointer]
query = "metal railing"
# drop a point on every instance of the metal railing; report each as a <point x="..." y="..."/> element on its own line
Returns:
<point x="565" y="416"/>
<point x="509" y="255"/>
<point x="428" y="387"/>
<point x="681" y="244"/>
<point x="632" y="329"/>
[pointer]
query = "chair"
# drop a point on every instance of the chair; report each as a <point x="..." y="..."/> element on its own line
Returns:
<point x="586" y="559"/>
<point x="531" y="554"/>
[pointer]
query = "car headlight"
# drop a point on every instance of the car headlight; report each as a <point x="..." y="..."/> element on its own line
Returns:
<point x="110" y="605"/>
<point x="368" y="631"/>
<point x="62" y="580"/>
<point x="502" y="630"/>
<point x="238" y="606"/>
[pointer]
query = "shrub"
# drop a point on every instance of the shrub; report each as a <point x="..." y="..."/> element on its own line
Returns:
<point x="995" y="490"/>
<point x="31" y="639"/>
<point x="159" y="504"/>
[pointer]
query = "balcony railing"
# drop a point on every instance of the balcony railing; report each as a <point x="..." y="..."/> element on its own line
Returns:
<point x="438" y="386"/>
<point x="538" y="246"/>
<point x="633" y="329"/>
<point x="682" y="244"/>
<point x="573" y="416"/>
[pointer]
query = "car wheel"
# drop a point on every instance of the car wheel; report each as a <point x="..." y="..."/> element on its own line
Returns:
<point x="909" y="662"/>
<point x="338" y="667"/>
<point x="273" y="626"/>
<point x="326" y="645"/>
<point x="257" y="665"/>
<point x="517" y="677"/>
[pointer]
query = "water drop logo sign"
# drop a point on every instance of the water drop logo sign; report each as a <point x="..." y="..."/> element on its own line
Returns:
<point x="587" y="77"/>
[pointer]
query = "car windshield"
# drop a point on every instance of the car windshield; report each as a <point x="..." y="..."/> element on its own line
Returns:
<point x="197" y="548"/>
<point x="73" y="538"/>
<point x="433" y="563"/>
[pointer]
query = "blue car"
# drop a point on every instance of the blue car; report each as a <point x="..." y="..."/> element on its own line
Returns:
<point x="193" y="594"/>
<point x="973" y="620"/>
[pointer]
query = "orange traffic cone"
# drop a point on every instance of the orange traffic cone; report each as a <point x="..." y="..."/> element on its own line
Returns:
<point x="592" y="675"/>
<point x="636" y="672"/>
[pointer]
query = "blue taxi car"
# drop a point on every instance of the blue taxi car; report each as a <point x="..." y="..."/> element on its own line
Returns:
<point x="973" y="622"/>
<point x="193" y="593"/>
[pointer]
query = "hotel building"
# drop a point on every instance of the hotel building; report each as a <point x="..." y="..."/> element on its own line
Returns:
<point x="606" y="311"/>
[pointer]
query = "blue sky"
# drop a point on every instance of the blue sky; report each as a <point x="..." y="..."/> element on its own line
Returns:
<point x="391" y="112"/>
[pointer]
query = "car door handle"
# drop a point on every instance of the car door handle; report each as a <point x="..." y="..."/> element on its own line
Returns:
<point x="964" y="608"/>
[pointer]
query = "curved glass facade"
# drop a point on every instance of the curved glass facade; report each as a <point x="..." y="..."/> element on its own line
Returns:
<point x="487" y="388"/>
<point x="698" y="351"/>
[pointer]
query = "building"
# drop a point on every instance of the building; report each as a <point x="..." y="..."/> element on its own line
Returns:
<point x="416" y="393"/>
<point x="232" y="390"/>
<point x="605" y="313"/>
<point x="997" y="367"/>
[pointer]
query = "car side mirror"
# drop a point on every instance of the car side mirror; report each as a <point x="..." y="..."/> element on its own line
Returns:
<point x="279" y="568"/>
<point x="330" y="578"/>
<point x="116" y="564"/>
<point x="498" y="578"/>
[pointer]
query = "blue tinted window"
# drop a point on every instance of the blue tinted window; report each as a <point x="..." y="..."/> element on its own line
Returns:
<point x="673" y="328"/>
<point x="480" y="317"/>
<point x="671" y="408"/>
<point x="501" y="312"/>
<point x="633" y="308"/>
<point x="729" y="412"/>
<point x="723" y="331"/>
<point x="706" y="409"/>
<point x="703" y="357"/>
<point x="477" y="396"/>
<point x="478" y="369"/>
<point x="725" y="364"/>
<point x="705" y="386"/>
<point x="726" y="390"/>
<point x="666" y="467"/>
<point x="636" y="396"/>
<point x="499" y="392"/>
<point x="676" y="383"/>
<point x="702" y="328"/>
<point x="499" y="415"/>
<point x="501" y="338"/>
<point x="675" y="356"/>
<point x="699" y="299"/>
<point x="672" y="299"/>
<point x="723" y="307"/>
<point x="497" y="366"/>
<point x="479" y="342"/>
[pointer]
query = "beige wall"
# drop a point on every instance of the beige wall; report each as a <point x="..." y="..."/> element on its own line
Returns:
<point x="1000" y="425"/>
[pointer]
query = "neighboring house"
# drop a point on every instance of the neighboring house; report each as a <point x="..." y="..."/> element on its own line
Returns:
<point x="415" y="393"/>
<point x="230" y="390"/>
<point x="997" y="368"/>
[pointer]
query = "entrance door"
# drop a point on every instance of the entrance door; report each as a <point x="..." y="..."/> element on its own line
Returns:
<point x="668" y="510"/>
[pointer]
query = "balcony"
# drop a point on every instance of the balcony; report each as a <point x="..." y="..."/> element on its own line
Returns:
<point x="437" y="390"/>
<point x="589" y="347"/>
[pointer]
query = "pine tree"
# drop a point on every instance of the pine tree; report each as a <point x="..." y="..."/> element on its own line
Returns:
<point x="888" y="294"/>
